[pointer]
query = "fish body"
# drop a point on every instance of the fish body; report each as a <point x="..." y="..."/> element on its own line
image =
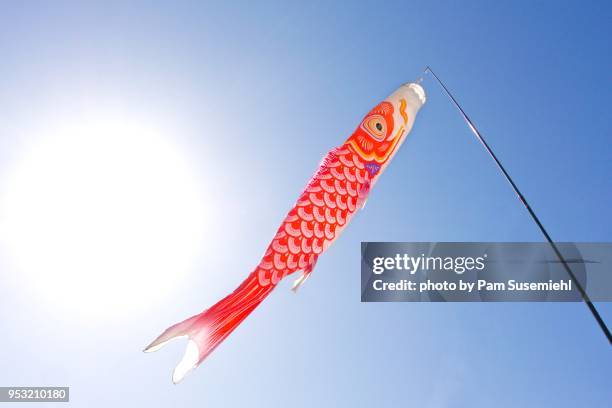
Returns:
<point x="321" y="212"/>
<point x="337" y="190"/>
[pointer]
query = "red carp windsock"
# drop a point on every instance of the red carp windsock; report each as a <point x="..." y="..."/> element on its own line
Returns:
<point x="339" y="188"/>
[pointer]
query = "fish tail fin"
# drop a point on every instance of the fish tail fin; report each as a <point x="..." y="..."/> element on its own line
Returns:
<point x="208" y="329"/>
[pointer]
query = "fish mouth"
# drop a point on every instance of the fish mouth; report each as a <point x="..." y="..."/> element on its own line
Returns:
<point x="419" y="91"/>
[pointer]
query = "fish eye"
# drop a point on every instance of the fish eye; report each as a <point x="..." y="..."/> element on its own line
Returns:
<point x="375" y="126"/>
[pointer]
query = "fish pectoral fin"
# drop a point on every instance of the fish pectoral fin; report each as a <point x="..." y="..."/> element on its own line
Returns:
<point x="362" y="198"/>
<point x="300" y="281"/>
<point x="305" y="274"/>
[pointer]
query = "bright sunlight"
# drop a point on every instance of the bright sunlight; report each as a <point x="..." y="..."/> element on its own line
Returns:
<point x="102" y="217"/>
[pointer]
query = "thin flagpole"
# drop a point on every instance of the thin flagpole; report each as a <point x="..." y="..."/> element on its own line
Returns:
<point x="535" y="218"/>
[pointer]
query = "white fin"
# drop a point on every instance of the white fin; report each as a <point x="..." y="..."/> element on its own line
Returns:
<point x="300" y="281"/>
<point x="188" y="363"/>
<point x="155" y="347"/>
<point x="305" y="274"/>
<point x="362" y="197"/>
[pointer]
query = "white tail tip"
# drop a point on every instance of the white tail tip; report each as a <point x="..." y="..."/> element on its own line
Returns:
<point x="154" y="347"/>
<point x="188" y="363"/>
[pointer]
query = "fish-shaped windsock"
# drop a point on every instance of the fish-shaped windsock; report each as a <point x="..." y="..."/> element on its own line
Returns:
<point x="339" y="188"/>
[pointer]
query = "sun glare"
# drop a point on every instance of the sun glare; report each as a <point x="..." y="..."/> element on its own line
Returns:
<point x="102" y="217"/>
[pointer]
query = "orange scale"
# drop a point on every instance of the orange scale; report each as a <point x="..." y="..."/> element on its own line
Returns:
<point x="330" y="230"/>
<point x="318" y="230"/>
<point x="330" y="200"/>
<point x="319" y="214"/>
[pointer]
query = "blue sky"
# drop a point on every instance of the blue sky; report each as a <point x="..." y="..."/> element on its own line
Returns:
<point x="256" y="94"/>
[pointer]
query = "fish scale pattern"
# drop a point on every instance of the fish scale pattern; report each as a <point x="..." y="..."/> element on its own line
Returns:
<point x="321" y="212"/>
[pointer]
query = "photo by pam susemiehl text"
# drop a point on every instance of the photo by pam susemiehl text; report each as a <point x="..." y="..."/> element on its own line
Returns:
<point x="483" y="271"/>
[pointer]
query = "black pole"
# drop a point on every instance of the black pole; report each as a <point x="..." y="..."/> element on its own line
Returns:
<point x="535" y="218"/>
